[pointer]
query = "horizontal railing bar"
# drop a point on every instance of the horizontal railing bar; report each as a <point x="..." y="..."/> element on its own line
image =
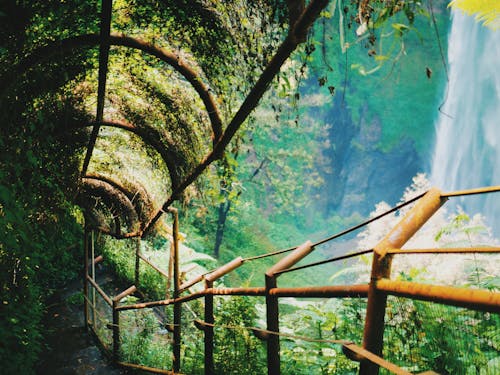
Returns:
<point x="482" y="190"/>
<point x="376" y="359"/>
<point x="451" y="250"/>
<point x="332" y="291"/>
<point x="341" y="257"/>
<point x="155" y="267"/>
<point x="256" y="291"/>
<point x="147" y="368"/>
<point x="118" y="236"/>
<point x="306" y="292"/>
<point x="474" y="299"/>
<point x="100" y="291"/>
<point x="164" y="302"/>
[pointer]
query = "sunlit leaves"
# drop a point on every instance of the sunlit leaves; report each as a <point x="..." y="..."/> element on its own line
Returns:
<point x="485" y="11"/>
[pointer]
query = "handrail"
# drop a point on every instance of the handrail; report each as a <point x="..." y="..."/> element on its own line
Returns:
<point x="376" y="291"/>
<point x="291" y="259"/>
<point x="477" y="299"/>
<point x="481" y="190"/>
<point x="100" y="291"/>
<point x="447" y="250"/>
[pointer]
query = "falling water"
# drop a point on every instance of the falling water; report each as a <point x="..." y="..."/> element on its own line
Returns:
<point x="467" y="150"/>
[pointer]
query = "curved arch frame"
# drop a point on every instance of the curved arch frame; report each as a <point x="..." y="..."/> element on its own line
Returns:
<point x="151" y="137"/>
<point x="180" y="65"/>
<point x="142" y="214"/>
<point x="111" y="195"/>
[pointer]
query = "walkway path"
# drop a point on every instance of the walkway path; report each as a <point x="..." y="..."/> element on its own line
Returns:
<point x="72" y="351"/>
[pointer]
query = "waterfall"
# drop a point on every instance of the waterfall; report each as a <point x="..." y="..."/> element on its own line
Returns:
<point x="467" y="148"/>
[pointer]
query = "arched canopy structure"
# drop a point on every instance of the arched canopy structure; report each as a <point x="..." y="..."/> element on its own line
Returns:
<point x="214" y="72"/>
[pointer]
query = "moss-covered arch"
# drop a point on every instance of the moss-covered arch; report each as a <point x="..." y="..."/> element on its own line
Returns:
<point x="65" y="46"/>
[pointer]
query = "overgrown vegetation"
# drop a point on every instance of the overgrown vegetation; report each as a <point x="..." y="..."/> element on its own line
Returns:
<point x="264" y="193"/>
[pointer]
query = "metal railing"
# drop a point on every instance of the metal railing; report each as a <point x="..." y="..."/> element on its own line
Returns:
<point x="380" y="286"/>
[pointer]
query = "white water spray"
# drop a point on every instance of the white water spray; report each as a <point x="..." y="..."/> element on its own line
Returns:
<point x="467" y="150"/>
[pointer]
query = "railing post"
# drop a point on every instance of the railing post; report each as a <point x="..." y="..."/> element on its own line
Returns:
<point x="272" y="316"/>
<point x="92" y="255"/>
<point x="209" y="310"/>
<point x="116" y="331"/>
<point x="272" y="305"/>
<point x="177" y="305"/>
<point x="85" y="275"/>
<point x="373" y="335"/>
<point x="209" y="331"/>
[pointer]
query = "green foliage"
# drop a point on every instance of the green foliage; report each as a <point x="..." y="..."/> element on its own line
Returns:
<point x="421" y="336"/>
<point x="380" y="74"/>
<point x="142" y="340"/>
<point x="237" y="351"/>
<point x="331" y="320"/>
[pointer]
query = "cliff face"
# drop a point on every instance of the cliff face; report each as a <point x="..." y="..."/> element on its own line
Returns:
<point x="381" y="125"/>
<point x="363" y="173"/>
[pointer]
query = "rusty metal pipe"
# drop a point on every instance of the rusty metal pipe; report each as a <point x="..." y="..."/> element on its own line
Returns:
<point x="209" y="331"/>
<point x="474" y="299"/>
<point x="152" y="370"/>
<point x="307" y="292"/>
<point x="225" y="269"/>
<point x="176" y="346"/>
<point x="412" y="222"/>
<point x="360" y="353"/>
<point x="381" y="268"/>
<point x="98" y="259"/>
<point x="291" y="259"/>
<point x="100" y="291"/>
<point x="272" y="318"/>
<point x="482" y="190"/>
<point x="125" y="293"/>
<point x="252" y="291"/>
<point x="116" y="331"/>
<point x="85" y="275"/>
<point x="446" y="250"/>
<point x="188" y="284"/>
<point x="335" y="291"/>
<point x="106" y="11"/>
